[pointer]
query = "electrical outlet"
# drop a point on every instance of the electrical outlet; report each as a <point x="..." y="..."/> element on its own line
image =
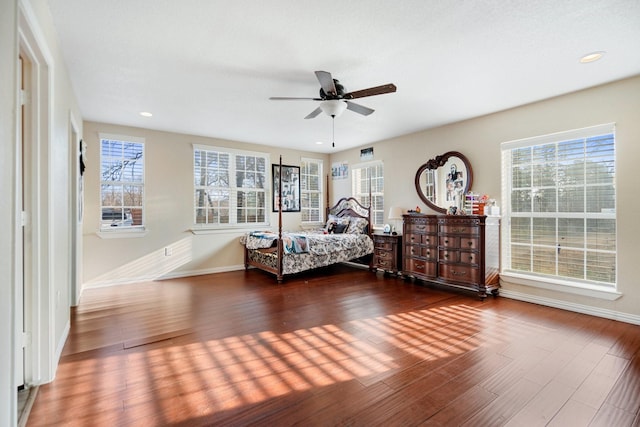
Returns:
<point x="168" y="251"/>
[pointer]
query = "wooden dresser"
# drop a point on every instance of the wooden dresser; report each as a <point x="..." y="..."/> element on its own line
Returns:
<point x="455" y="250"/>
<point x="387" y="252"/>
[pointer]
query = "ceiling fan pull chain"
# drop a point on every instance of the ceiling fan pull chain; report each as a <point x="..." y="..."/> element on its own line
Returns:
<point x="333" y="131"/>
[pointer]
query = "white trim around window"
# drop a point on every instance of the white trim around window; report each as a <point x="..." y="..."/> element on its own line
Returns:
<point x="231" y="189"/>
<point x="374" y="172"/>
<point x="559" y="212"/>
<point x="311" y="191"/>
<point x="130" y="185"/>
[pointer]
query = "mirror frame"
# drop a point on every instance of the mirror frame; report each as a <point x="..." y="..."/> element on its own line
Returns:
<point x="435" y="163"/>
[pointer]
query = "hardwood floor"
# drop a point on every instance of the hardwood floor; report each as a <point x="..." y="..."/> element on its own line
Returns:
<point x="338" y="347"/>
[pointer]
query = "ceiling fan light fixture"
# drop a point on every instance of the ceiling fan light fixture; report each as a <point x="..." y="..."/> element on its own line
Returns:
<point x="591" y="57"/>
<point x="333" y="107"/>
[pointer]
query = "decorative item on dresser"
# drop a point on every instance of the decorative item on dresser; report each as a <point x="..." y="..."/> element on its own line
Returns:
<point x="462" y="251"/>
<point x="387" y="252"/>
<point x="395" y="214"/>
<point x="443" y="181"/>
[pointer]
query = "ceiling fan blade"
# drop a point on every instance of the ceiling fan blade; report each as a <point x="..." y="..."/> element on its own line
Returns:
<point x="360" y="109"/>
<point x="326" y="82"/>
<point x="289" y="98"/>
<point x="314" y="113"/>
<point x="378" y="90"/>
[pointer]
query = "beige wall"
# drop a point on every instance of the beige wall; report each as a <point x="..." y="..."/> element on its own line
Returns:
<point x="479" y="139"/>
<point x="168" y="212"/>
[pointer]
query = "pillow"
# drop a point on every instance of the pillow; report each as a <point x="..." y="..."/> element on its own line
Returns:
<point x="340" y="228"/>
<point x="333" y="221"/>
<point x="357" y="225"/>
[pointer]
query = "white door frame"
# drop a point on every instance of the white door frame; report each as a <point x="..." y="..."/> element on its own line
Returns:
<point x="21" y="228"/>
<point x="39" y="325"/>
<point x="77" y="207"/>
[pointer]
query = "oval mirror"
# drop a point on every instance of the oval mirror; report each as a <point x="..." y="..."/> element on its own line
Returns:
<point x="442" y="182"/>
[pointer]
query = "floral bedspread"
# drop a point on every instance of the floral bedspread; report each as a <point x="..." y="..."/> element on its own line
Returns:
<point x="321" y="249"/>
<point x="292" y="243"/>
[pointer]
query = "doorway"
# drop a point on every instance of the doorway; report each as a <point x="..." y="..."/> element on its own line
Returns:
<point x="76" y="192"/>
<point x="34" y="347"/>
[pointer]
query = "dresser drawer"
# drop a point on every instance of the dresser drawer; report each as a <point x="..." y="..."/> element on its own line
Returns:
<point x="463" y="257"/>
<point x="384" y="245"/>
<point x="421" y="239"/>
<point x="384" y="262"/>
<point x="421" y="267"/>
<point x="470" y="257"/>
<point x="458" y="229"/>
<point x="449" y="256"/>
<point x="382" y="253"/>
<point x="421" y="251"/>
<point x="455" y="242"/>
<point x="459" y="273"/>
<point x="421" y="228"/>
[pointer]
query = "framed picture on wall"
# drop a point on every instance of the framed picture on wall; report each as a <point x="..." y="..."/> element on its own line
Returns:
<point x="290" y="188"/>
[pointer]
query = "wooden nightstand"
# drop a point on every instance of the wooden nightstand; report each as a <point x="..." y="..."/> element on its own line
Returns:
<point x="387" y="252"/>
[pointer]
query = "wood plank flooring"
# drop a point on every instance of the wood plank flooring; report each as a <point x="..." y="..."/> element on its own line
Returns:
<point x="339" y="346"/>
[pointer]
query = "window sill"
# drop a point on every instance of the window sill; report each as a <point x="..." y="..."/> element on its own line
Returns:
<point x="594" y="291"/>
<point x="131" y="233"/>
<point x="218" y="230"/>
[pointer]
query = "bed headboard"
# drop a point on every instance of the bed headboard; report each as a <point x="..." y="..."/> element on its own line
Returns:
<point x="349" y="206"/>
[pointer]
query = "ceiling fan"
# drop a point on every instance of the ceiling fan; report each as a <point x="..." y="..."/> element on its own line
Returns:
<point x="334" y="100"/>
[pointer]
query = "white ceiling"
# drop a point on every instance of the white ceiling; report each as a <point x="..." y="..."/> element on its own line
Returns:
<point x="208" y="67"/>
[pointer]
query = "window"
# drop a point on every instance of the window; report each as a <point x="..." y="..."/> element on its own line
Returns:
<point x="311" y="190"/>
<point x="121" y="182"/>
<point x="560" y="200"/>
<point x="362" y="175"/>
<point x="230" y="187"/>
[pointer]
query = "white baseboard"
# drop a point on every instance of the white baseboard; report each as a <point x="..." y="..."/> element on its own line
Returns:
<point x="179" y="274"/>
<point x="172" y="275"/>
<point x="60" y="347"/>
<point x="578" y="308"/>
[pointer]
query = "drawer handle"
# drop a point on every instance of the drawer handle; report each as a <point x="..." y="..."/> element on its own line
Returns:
<point x="413" y="238"/>
<point x="428" y="253"/>
<point x="420" y="266"/>
<point x="458" y="273"/>
<point x="470" y="243"/>
<point x="383" y="255"/>
<point x="420" y="227"/>
<point x="426" y="240"/>
<point x="446" y="255"/>
<point x="470" y="257"/>
<point x="458" y="230"/>
<point x="446" y="242"/>
<point x="412" y="251"/>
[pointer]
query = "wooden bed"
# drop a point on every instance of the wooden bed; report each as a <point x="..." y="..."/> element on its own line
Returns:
<point x="284" y="253"/>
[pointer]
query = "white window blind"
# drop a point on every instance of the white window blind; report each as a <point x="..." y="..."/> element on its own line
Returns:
<point x="311" y="190"/>
<point x="121" y="182"/>
<point x="230" y="186"/>
<point x="560" y="206"/>
<point x="362" y="176"/>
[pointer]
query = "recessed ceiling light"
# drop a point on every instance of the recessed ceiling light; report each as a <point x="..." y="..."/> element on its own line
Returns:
<point x="146" y="114"/>
<point x="591" y="57"/>
<point x="319" y="142"/>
